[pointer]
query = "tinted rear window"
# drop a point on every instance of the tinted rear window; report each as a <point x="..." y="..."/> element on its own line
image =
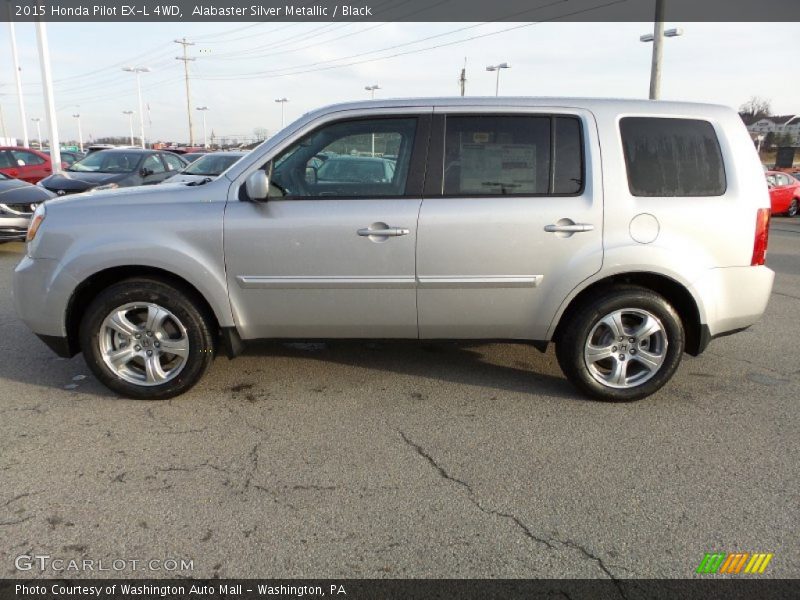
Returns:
<point x="672" y="157"/>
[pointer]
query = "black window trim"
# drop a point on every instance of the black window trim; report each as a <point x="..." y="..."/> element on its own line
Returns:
<point x="621" y="118"/>
<point x="434" y="184"/>
<point x="416" y="165"/>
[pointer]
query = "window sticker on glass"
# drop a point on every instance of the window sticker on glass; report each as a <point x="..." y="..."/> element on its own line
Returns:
<point x="480" y="138"/>
<point x="498" y="168"/>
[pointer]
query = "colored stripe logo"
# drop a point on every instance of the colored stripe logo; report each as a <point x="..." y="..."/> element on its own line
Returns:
<point x="735" y="563"/>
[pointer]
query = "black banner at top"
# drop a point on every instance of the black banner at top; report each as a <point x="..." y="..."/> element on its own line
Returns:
<point x="400" y="10"/>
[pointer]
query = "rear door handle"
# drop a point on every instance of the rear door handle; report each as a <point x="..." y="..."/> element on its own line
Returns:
<point x="574" y="228"/>
<point x="388" y="232"/>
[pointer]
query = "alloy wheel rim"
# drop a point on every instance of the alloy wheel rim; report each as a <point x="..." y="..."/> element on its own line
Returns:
<point x="626" y="348"/>
<point x="143" y="343"/>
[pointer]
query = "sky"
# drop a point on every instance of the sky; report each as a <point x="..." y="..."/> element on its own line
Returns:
<point x="241" y="68"/>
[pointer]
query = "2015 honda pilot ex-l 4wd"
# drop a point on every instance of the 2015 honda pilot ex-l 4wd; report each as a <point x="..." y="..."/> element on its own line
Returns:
<point x="627" y="232"/>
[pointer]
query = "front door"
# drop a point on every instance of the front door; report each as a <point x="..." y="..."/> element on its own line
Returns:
<point x="512" y="225"/>
<point x="331" y="253"/>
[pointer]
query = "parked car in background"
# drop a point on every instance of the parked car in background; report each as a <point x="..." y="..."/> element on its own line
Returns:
<point x="26" y="164"/>
<point x="190" y="156"/>
<point x="209" y="165"/>
<point x="18" y="200"/>
<point x="109" y="169"/>
<point x="580" y="222"/>
<point x="68" y="157"/>
<point x="784" y="193"/>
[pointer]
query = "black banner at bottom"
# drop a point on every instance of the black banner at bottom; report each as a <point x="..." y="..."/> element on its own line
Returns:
<point x="406" y="589"/>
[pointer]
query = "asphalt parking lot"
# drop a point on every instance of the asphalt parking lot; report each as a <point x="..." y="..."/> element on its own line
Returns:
<point x="407" y="460"/>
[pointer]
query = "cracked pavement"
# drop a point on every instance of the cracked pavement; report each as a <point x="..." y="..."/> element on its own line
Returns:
<point x="383" y="459"/>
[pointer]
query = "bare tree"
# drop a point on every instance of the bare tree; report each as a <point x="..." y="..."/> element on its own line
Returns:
<point x="756" y="108"/>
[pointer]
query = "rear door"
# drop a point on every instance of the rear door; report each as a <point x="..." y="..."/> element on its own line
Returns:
<point x="510" y="221"/>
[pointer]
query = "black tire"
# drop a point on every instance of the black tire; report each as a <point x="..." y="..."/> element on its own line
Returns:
<point x="580" y="324"/>
<point x="793" y="208"/>
<point x="183" y="305"/>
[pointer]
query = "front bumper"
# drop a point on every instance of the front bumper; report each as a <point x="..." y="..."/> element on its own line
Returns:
<point x="13" y="228"/>
<point x="41" y="295"/>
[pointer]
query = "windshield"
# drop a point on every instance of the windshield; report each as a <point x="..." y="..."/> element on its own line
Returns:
<point x="210" y="164"/>
<point x="107" y="162"/>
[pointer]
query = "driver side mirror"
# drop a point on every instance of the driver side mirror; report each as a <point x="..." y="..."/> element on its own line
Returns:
<point x="145" y="172"/>
<point x="257" y="186"/>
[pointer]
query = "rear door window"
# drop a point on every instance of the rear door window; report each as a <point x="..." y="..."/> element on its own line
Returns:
<point x="668" y="157"/>
<point x="512" y="155"/>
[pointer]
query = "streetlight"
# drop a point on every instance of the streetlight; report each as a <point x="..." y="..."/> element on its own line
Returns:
<point x="138" y="71"/>
<point x="282" y="102"/>
<point x="657" y="37"/>
<point x="498" y="68"/>
<point x="80" y="133"/>
<point x="203" y="110"/>
<point x="37" y="120"/>
<point x="130" y="122"/>
<point x="371" y="89"/>
<point x="783" y="127"/>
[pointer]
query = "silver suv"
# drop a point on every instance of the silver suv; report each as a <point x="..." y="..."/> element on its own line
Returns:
<point x="627" y="232"/>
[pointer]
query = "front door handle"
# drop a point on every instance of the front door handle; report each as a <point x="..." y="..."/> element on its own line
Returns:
<point x="387" y="232"/>
<point x="573" y="228"/>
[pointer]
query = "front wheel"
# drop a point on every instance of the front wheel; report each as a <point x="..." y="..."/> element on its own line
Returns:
<point x="793" y="208"/>
<point x="622" y="346"/>
<point x="146" y="339"/>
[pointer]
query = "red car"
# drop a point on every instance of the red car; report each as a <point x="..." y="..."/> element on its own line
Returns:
<point x="25" y="163"/>
<point x="784" y="193"/>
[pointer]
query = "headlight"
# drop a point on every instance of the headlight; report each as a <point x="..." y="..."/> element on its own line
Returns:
<point x="36" y="221"/>
<point x="108" y="186"/>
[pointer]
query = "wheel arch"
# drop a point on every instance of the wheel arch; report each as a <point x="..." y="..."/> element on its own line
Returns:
<point x="676" y="293"/>
<point x="88" y="289"/>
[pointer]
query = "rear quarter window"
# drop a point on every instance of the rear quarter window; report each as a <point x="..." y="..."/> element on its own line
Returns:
<point x="672" y="157"/>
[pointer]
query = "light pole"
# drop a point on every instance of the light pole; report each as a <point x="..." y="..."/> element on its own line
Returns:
<point x="498" y="68"/>
<point x="80" y="133"/>
<point x="138" y="71"/>
<point x="49" y="101"/>
<point x="783" y="127"/>
<point x="130" y="123"/>
<point x="3" y="124"/>
<point x="657" y="37"/>
<point x="38" y="120"/>
<point x="282" y="102"/>
<point x="371" y="89"/>
<point x="203" y="110"/>
<point x="18" y="77"/>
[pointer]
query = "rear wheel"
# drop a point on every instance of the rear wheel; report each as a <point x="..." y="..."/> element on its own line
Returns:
<point x="622" y="346"/>
<point x="793" y="208"/>
<point x="146" y="339"/>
